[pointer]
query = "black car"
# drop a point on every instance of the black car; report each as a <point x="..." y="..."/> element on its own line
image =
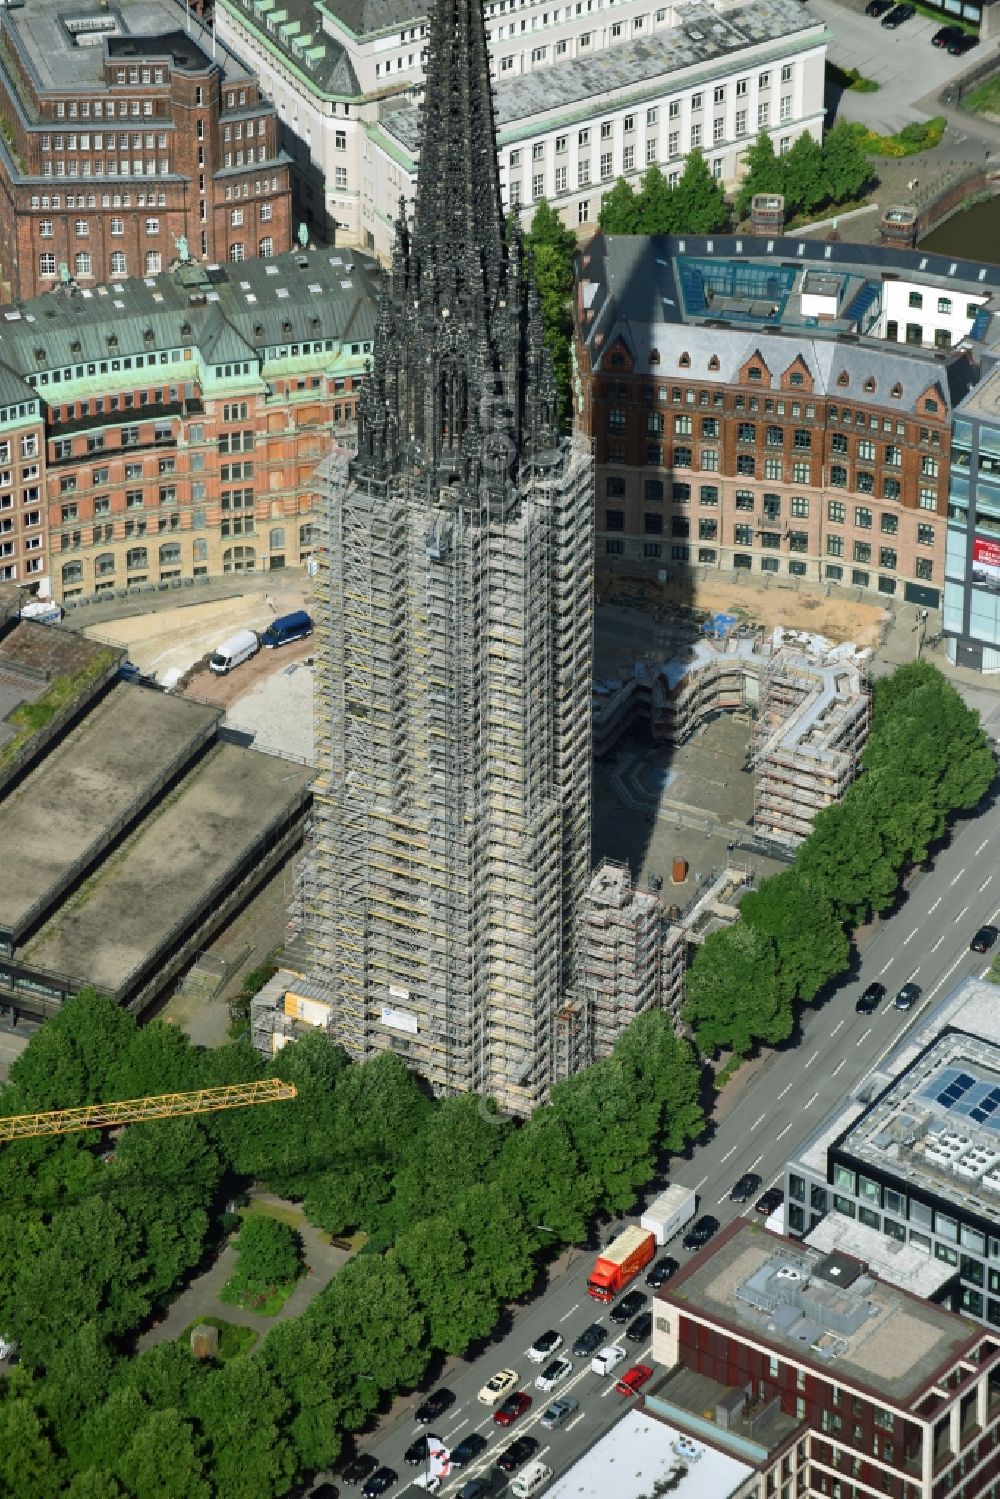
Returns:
<point x="416" y="1452"/>
<point x="435" y="1405"/>
<point x="640" y="1328"/>
<point x="963" y="44"/>
<point x="628" y="1307"/>
<point x="359" y="1468"/>
<point x="700" y="1231"/>
<point x="907" y="997"/>
<point x="945" y="35"/>
<point x="747" y="1186"/>
<point x="468" y="1449"/>
<point x="769" y="1201"/>
<point x="984" y="939"/>
<point x="517" y="1453"/>
<point x="877" y="7"/>
<point x="325" y="1491"/>
<point x="869" y="999"/>
<point x="383" y="1478"/>
<point x="661" y="1272"/>
<point x="897" y="16"/>
<point x="592" y="1338"/>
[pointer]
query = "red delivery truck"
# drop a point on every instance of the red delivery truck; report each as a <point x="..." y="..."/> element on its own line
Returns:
<point x="620" y="1263"/>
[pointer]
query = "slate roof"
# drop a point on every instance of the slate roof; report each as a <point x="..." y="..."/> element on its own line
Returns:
<point x="316" y="51"/>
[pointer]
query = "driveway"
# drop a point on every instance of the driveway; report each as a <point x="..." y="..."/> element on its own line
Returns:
<point x="201" y="1299"/>
<point x="909" y="71"/>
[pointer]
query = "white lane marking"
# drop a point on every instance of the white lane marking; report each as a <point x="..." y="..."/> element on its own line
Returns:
<point x="811" y="1101"/>
<point x="883" y="971"/>
<point x="722" y="1199"/>
<point x="811" y="1059"/>
<point x="986" y="882"/>
<point x="701" y="1183"/>
<point x="836" y="1028"/>
<point x="756" y="1162"/>
<point x="570" y="1312"/>
<point x="982" y="845"/>
<point x="961" y="913"/>
<point x="958" y="877"/>
<point x="934" y="906"/>
<point x="780" y="1135"/>
<point x="864" y="1037"/>
<point x="758" y="1121"/>
<point x="840" y="1064"/>
<point x="575" y="1421"/>
<point x="911" y="936"/>
<point x="937" y="944"/>
<point x="729" y="1152"/>
<point x="786" y="1089"/>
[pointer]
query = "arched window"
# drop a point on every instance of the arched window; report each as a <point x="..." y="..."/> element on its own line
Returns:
<point x="135" y="558"/>
<point x="238" y="560"/>
<point x="119" y="265"/>
<point x="896" y="391"/>
<point x="685" y="360"/>
<point x="713" y="363"/>
<point x="843" y="379"/>
<point x="170" y="553"/>
<point x="870" y="385"/>
<point x="154" y="263"/>
<point x="72" y="572"/>
<point x="82" y="263"/>
<point x="277" y="538"/>
<point x="104" y="565"/>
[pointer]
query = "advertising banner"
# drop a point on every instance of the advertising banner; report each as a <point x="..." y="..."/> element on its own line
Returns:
<point x="986" y="564"/>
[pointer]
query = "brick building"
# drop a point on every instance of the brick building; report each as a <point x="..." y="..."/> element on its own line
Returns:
<point x="777" y="406"/>
<point x="827" y="1381"/>
<point x="120" y="134"/>
<point x="157" y="430"/>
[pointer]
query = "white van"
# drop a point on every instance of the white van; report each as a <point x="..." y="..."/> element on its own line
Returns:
<point x="233" y="652"/>
<point x="530" y="1480"/>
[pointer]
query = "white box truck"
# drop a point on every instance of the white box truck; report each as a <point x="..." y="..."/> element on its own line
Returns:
<point x="668" y="1213"/>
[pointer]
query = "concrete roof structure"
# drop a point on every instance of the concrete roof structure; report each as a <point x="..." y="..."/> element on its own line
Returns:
<point x="50" y="54"/>
<point x="640" y="1452"/>
<point x="896" y="1263"/>
<point x="822" y="1309"/>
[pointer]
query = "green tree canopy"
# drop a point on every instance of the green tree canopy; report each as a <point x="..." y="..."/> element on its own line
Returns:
<point x="810" y="943"/>
<point x="763" y="172"/>
<point x="656" y="203"/>
<point x="845" y="166"/>
<point x="805" y="179"/>
<point x="699" y="203"/>
<point x="732" y="992"/>
<point x="619" y="210"/>
<point x="270" y="1253"/>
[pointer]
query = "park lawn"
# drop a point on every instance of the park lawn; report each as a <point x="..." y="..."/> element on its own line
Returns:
<point x="265" y="1301"/>
<point x="233" y="1339"/>
<point x="293" y="1216"/>
<point x="985" y="99"/>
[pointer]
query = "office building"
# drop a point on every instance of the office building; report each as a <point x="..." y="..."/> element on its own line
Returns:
<point x="825" y="1380"/>
<point x="156" y="431"/>
<point x="906" y="1172"/>
<point x="777" y="406"/>
<point x="454" y="648"/>
<point x="584" y="94"/>
<point x="129" y="128"/>
<point x="972" y="563"/>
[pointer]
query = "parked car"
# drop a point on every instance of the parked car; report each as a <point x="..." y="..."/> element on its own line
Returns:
<point x="945" y="35"/>
<point x="553" y="1374"/>
<point x="558" y="1412"/>
<point x="589" y="1340"/>
<point x="661" y="1272"/>
<point x="383" y="1478"/>
<point x="769" y="1201"/>
<point x="543" y="1347"/>
<point x="700" y="1231"/>
<point x="907" y="997"/>
<point x="496" y="1388"/>
<point x="435" y="1405"/>
<point x="325" y="1491"/>
<point x="897" y="16"/>
<point x="748" y="1184"/>
<point x="515" y="1405"/>
<point x="608" y="1359"/>
<point x="416" y="1452"/>
<point x="963" y="44"/>
<point x="869" y="999"/>
<point x="984" y="939"/>
<point x="633" y="1379"/>
<point x="359" y="1468"/>
<point x="877" y="8"/>
<point x="628" y="1307"/>
<point x="640" y="1328"/>
<point x="517" y="1453"/>
<point x="468" y="1449"/>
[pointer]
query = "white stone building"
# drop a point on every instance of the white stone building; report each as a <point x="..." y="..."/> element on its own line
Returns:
<point x="585" y="92"/>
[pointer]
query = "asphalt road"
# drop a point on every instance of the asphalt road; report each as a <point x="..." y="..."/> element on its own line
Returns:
<point x="926" y="940"/>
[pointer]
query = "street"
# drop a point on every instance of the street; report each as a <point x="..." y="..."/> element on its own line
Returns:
<point x="926" y="941"/>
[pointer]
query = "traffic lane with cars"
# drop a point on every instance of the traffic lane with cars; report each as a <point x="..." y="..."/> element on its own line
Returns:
<point x="928" y="936"/>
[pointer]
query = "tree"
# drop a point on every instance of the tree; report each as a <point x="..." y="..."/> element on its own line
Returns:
<point x="456" y="1149"/>
<point x="541" y="1168"/>
<point x="76" y="1380"/>
<point x="619" y="210"/>
<point x="29" y="1467"/>
<point x="805" y="180"/>
<point x="501" y="1242"/>
<point x="763" y="172"/>
<point x="845" y="166"/>
<point x="845" y="859"/>
<point x="613" y="1131"/>
<point x="547" y="228"/>
<point x="75" y="1057"/>
<point x="163" y="1461"/>
<point x="243" y="1412"/>
<point x="732" y="992"/>
<point x="435" y="1258"/>
<point x="666" y="1069"/>
<point x="699" y="204"/>
<point x="305" y="1362"/>
<point x="656" y="203"/>
<point x="270" y="1254"/>
<point x="373" y="1313"/>
<point x="810" y="942"/>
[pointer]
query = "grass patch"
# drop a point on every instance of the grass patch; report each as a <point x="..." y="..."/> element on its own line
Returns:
<point x="30" y="718"/>
<point x="919" y="135"/>
<point x="233" y="1339"/>
<point x="294" y="1217"/>
<point x="266" y="1301"/>
<point x="985" y="99"/>
<point x="936" y="15"/>
<point x="726" y="1073"/>
<point x="850" y="78"/>
<point x="993" y="975"/>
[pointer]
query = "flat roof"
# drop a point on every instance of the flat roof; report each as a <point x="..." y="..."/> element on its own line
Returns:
<point x="896" y="1263"/>
<point x="83" y="787"/>
<point x="56" y="62"/>
<point x="32" y="655"/>
<point x="187" y="844"/>
<point x="640" y="1452"/>
<point x="876" y="1336"/>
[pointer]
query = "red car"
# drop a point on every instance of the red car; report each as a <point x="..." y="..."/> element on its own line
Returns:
<point x="633" y="1379"/>
<point x="515" y="1405"/>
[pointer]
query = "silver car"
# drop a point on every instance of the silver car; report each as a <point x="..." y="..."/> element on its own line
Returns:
<point x="559" y="1412"/>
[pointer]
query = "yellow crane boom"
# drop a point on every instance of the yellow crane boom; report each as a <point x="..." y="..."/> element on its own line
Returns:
<point x="136" y="1110"/>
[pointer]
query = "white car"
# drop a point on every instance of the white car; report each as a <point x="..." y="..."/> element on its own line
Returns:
<point x="500" y="1385"/>
<point x="545" y="1346"/>
<point x="553" y="1374"/>
<point x="608" y="1358"/>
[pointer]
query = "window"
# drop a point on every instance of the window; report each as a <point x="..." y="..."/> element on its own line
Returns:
<point x="924" y="569"/>
<point x="673" y="143"/>
<point x="744" y="499"/>
<point x="265" y="247"/>
<point x="916" y="299"/>
<point x="889" y="524"/>
<point x="746" y="432"/>
<point x="862" y="517"/>
<point x="708" y="528"/>
<point x="834" y="546"/>
<point x="838" y="476"/>
<point x="887" y="558"/>
<point x="81" y="228"/>
<point x="605" y="165"/>
<point x="582" y="173"/>
<point x="45" y="229"/>
<point x="237" y="251"/>
<point x="925" y="535"/>
<point x="741" y="122"/>
<point x="709" y="494"/>
<point x="798" y="541"/>
<point x="628" y="159"/>
<point x="614" y="520"/>
<point x="695" y="137"/>
<point x="773" y="470"/>
<point x="762" y="114"/>
<point x="682" y="457"/>
<point x="652" y="489"/>
<point x="652" y="523"/>
<point x="152" y="263"/>
<point x="772" y="506"/>
<point x="743" y="535"/>
<point x="944" y="305"/>
<point x="82" y="263"/>
<point x="862" y="551"/>
<point x="46" y="263"/>
<point x="800" y="507"/>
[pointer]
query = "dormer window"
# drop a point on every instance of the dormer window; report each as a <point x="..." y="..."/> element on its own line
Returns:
<point x="685" y="360"/>
<point x="843" y="379"/>
<point x="896" y="391"/>
<point x="870" y="386"/>
<point x="713" y="362"/>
